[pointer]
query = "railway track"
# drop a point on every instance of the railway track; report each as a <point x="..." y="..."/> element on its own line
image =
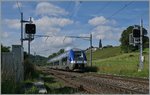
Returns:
<point x="102" y="84"/>
<point x="123" y="78"/>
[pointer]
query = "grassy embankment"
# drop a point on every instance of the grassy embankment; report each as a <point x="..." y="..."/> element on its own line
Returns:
<point x="113" y="61"/>
<point x="55" y="86"/>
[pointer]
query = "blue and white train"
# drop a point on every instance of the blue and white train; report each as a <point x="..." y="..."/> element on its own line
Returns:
<point x="74" y="59"/>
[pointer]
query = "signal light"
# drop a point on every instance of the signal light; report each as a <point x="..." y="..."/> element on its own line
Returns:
<point x="136" y="32"/>
<point x="30" y="28"/>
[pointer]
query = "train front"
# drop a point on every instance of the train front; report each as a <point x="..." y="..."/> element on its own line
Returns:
<point x="77" y="59"/>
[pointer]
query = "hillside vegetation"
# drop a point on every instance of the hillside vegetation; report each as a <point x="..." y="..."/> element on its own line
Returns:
<point x="105" y="53"/>
<point x="112" y="61"/>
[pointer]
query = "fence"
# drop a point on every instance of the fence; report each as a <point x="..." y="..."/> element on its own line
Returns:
<point x="12" y="67"/>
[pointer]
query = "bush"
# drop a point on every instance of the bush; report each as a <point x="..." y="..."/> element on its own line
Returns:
<point x="19" y="88"/>
<point x="91" y="69"/>
<point x="32" y="90"/>
<point x="29" y="70"/>
<point x="108" y="46"/>
<point x="8" y="87"/>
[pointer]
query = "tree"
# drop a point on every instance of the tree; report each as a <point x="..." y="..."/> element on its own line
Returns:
<point x="60" y="51"/>
<point x="55" y="54"/>
<point x="5" y="49"/>
<point x="108" y="46"/>
<point x="25" y="55"/>
<point x="100" y="43"/>
<point x="52" y="55"/>
<point x="125" y="40"/>
<point x="145" y="42"/>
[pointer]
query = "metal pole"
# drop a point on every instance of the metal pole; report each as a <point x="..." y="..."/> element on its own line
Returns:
<point x="22" y="29"/>
<point x="91" y="50"/>
<point x="34" y="57"/>
<point x="29" y="39"/>
<point x="141" y="43"/>
<point x="29" y="45"/>
<point x="22" y="59"/>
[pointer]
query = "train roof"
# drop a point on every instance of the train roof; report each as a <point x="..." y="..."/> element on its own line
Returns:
<point x="58" y="57"/>
<point x="62" y="55"/>
<point x="76" y="49"/>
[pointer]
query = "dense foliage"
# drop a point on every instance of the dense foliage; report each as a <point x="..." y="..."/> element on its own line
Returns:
<point x="58" y="53"/>
<point x="29" y="70"/>
<point x="5" y="48"/>
<point x="125" y="46"/>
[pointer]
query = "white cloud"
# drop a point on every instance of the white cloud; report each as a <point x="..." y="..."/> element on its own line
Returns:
<point x="53" y="21"/>
<point x="85" y="35"/>
<point x="104" y="28"/>
<point x="17" y="4"/>
<point x="50" y="23"/>
<point x="101" y="21"/>
<point x="10" y="37"/>
<point x="4" y="34"/>
<point x="51" y="26"/>
<point x="68" y="48"/>
<point x="76" y="7"/>
<point x="51" y="45"/>
<point x="107" y="32"/>
<point x="45" y="23"/>
<point x="45" y="8"/>
<point x="12" y="23"/>
<point x="45" y="26"/>
<point x="58" y="41"/>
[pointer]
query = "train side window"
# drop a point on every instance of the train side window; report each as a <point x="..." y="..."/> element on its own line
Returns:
<point x="64" y="61"/>
<point x="56" y="63"/>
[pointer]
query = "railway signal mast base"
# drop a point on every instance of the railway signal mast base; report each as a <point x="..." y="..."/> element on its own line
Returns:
<point x="141" y="48"/>
<point x="135" y="38"/>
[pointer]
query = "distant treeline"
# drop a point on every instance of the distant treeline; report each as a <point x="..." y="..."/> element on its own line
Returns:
<point x="55" y="54"/>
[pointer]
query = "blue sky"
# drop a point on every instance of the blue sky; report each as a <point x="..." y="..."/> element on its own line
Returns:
<point x="75" y="18"/>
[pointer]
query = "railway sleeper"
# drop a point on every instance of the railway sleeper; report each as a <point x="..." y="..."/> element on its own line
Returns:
<point x="121" y="90"/>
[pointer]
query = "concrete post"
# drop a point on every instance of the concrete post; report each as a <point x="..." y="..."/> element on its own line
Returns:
<point x="17" y="50"/>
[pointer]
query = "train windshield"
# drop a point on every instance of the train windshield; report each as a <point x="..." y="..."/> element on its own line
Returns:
<point x="78" y="54"/>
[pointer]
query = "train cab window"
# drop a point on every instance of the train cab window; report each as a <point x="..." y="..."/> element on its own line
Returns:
<point x="77" y="54"/>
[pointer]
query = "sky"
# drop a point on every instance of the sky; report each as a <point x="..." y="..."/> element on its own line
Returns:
<point x="105" y="20"/>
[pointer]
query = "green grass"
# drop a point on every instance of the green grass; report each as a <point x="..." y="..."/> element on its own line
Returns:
<point x="54" y="86"/>
<point x="119" y="63"/>
<point x="146" y="50"/>
<point x="32" y="90"/>
<point x="8" y="87"/>
<point x="105" y="53"/>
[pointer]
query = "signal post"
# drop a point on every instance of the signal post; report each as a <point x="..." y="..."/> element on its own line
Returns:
<point x="30" y="30"/>
<point x="136" y="38"/>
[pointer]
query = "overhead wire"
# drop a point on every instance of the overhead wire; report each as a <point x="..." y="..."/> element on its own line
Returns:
<point x="69" y="5"/>
<point x="119" y="10"/>
<point x="116" y="12"/>
<point x="104" y="7"/>
<point x="73" y="14"/>
<point x="19" y="8"/>
<point x="75" y="9"/>
<point x="126" y="5"/>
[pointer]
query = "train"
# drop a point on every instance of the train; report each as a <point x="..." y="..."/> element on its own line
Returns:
<point x="71" y="60"/>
